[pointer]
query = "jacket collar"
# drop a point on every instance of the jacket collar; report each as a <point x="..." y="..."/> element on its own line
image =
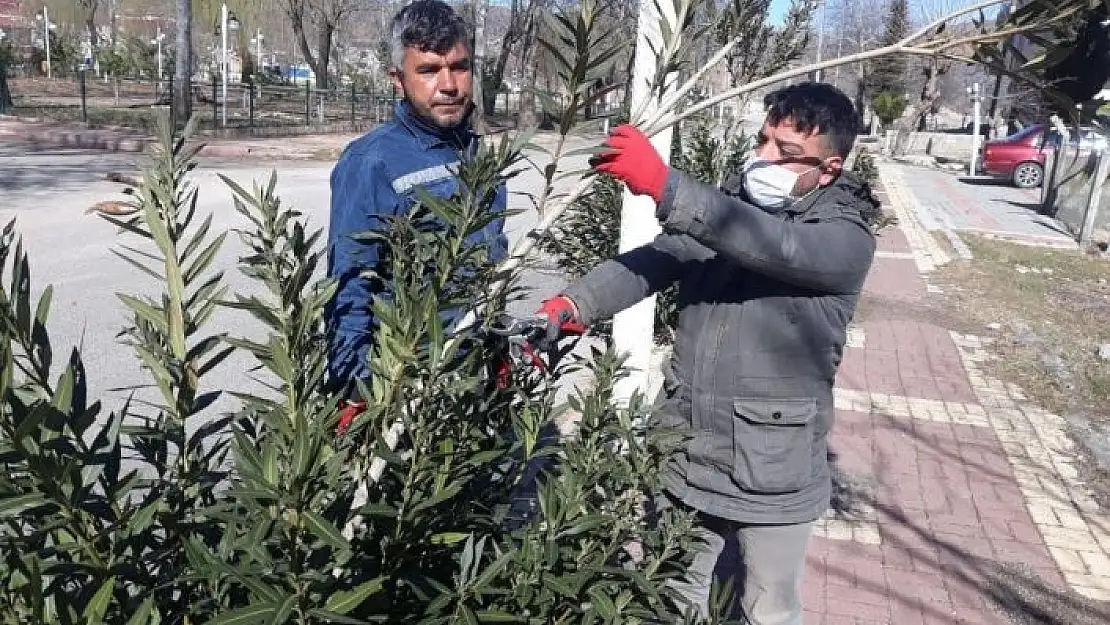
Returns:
<point x="846" y="186"/>
<point x="429" y="135"/>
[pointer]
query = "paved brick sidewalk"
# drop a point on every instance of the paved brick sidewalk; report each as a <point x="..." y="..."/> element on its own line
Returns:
<point x="955" y="500"/>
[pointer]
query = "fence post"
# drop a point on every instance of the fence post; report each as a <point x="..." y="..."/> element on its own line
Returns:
<point x="354" y="94"/>
<point x="84" y="99"/>
<point x="1094" y="198"/>
<point x="250" y="102"/>
<point x="173" y="103"/>
<point x="215" y="103"/>
<point x="307" y="103"/>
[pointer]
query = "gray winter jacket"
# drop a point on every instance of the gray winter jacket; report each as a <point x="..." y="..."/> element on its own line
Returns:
<point x="765" y="300"/>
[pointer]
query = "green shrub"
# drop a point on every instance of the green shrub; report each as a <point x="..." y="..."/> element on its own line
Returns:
<point x="889" y="106"/>
<point x="163" y="512"/>
<point x="864" y="167"/>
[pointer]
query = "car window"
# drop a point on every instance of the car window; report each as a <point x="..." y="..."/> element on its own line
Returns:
<point x="1025" y="133"/>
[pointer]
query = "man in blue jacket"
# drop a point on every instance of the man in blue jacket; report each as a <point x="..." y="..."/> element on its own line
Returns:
<point x="378" y="174"/>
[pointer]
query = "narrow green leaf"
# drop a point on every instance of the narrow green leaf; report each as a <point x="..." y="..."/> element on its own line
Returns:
<point x="269" y="465"/>
<point x="344" y="601"/>
<point x="282" y="613"/>
<point x="43" y="308"/>
<point x="603" y="603"/>
<point x="499" y="617"/>
<point x="325" y="531"/>
<point x="256" y="613"/>
<point x="142" y="615"/>
<point x="95" y="610"/>
<point x="449" y="538"/>
<point x="12" y="506"/>
<point x="145" y="310"/>
<point x="63" y="393"/>
<point x="204" y="259"/>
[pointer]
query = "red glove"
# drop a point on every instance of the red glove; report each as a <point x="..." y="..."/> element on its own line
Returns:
<point x="348" y="414"/>
<point x="634" y="161"/>
<point x="562" y="313"/>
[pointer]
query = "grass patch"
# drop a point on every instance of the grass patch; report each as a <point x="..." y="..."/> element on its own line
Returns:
<point x="1048" y="310"/>
<point x="1042" y="303"/>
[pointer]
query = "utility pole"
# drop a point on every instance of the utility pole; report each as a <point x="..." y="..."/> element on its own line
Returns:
<point x="158" y="39"/>
<point x="820" y="38"/>
<point x="223" y="64"/>
<point x="634" y="328"/>
<point x="46" y="39"/>
<point x="258" y="50"/>
<point x="976" y="109"/>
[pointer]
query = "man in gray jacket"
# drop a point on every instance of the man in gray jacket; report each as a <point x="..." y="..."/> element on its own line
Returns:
<point x="769" y="268"/>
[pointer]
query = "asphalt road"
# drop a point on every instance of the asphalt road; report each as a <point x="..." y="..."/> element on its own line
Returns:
<point x="48" y="191"/>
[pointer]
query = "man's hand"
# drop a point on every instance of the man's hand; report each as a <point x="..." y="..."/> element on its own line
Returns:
<point x="633" y="160"/>
<point x="562" y="317"/>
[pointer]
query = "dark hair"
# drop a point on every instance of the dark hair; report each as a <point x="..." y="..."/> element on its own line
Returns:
<point x="426" y="25"/>
<point x="816" y="107"/>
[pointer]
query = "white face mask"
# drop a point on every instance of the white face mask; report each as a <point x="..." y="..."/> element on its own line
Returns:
<point x="770" y="185"/>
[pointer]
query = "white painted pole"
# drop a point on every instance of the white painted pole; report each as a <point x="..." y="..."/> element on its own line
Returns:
<point x="820" y="39"/>
<point x="223" y="69"/>
<point x="975" y="112"/>
<point x="634" y="327"/>
<point x="46" y="31"/>
<point x="158" y="38"/>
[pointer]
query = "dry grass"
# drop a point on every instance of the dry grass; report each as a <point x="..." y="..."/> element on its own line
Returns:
<point x="1048" y="310"/>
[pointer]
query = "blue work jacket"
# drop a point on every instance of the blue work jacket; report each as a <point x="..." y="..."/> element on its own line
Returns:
<point x="374" y="179"/>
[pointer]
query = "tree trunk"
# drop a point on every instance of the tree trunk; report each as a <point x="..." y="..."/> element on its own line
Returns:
<point x="5" y="92"/>
<point x="90" y="25"/>
<point x="323" y="53"/>
<point x="183" y="63"/>
<point x="116" y="81"/>
<point x="529" y="67"/>
<point x="497" y="76"/>
<point x="478" y="118"/>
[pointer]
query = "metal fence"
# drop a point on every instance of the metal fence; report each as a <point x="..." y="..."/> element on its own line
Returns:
<point x="253" y="108"/>
<point x="135" y="103"/>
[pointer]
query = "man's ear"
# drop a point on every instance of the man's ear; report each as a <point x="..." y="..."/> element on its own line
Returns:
<point x="830" y="171"/>
<point x="395" y="76"/>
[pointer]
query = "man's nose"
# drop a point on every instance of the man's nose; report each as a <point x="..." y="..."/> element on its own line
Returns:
<point x="447" y="82"/>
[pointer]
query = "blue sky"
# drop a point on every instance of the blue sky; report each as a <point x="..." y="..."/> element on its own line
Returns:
<point x="778" y="10"/>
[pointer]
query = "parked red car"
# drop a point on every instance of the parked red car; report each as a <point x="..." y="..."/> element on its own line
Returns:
<point x="1020" y="157"/>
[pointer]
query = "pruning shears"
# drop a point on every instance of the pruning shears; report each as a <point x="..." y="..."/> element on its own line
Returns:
<point x="526" y="338"/>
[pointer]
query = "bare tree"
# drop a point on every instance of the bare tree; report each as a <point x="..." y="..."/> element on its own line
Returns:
<point x="857" y="30"/>
<point x="478" y="118"/>
<point x="89" y="8"/>
<point x="318" y="18"/>
<point x="183" y="63"/>
<point x="521" y="14"/>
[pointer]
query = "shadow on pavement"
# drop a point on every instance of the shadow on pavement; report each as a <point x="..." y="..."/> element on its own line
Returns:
<point x="27" y="167"/>
<point x="986" y="181"/>
<point x="1010" y="588"/>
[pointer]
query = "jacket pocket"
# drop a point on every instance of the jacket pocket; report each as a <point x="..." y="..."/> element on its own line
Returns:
<point x="772" y="444"/>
